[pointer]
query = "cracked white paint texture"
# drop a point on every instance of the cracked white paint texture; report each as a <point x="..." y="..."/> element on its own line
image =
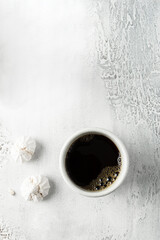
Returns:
<point x="128" y="51"/>
<point x="66" y="65"/>
<point x="8" y="232"/>
<point x="5" y="145"/>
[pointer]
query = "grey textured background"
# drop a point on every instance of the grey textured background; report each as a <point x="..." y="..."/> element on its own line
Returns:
<point x="66" y="65"/>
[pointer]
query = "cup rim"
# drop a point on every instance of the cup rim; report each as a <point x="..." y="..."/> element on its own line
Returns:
<point x="115" y="140"/>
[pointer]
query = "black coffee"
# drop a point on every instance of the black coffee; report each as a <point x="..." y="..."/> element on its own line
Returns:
<point x="93" y="162"/>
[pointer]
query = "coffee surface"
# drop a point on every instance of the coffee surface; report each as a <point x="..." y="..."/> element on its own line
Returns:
<point x="93" y="162"/>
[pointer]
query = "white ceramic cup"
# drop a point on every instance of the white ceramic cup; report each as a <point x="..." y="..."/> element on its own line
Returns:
<point x="124" y="157"/>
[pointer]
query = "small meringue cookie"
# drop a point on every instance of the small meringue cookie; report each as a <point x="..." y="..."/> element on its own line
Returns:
<point x="35" y="188"/>
<point x="23" y="149"/>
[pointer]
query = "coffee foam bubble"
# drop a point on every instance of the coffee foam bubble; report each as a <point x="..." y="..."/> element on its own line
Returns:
<point x="106" y="178"/>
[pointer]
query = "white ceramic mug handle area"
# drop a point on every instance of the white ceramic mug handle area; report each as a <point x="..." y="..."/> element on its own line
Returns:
<point x="124" y="157"/>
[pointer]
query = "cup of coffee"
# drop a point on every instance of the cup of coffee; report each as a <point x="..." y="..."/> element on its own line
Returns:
<point x="94" y="162"/>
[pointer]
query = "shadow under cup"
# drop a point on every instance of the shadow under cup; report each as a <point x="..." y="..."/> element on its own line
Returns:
<point x="94" y="162"/>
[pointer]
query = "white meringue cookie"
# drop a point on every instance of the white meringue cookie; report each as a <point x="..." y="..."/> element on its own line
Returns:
<point x="35" y="188"/>
<point x="23" y="149"/>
